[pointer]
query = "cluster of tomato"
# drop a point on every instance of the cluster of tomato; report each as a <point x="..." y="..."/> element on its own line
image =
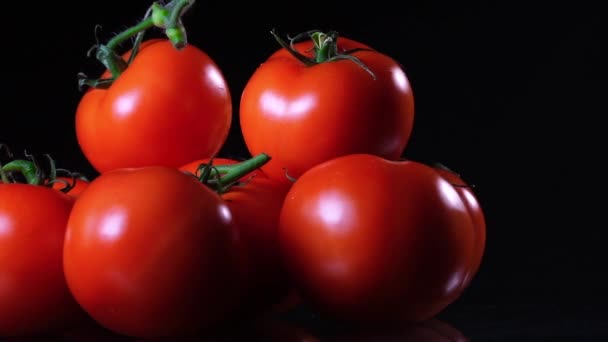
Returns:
<point x="171" y="239"/>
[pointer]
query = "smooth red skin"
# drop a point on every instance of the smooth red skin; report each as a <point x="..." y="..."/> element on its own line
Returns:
<point x="78" y="188"/>
<point x="479" y="222"/>
<point x="375" y="241"/>
<point x="255" y="208"/>
<point x="303" y="116"/>
<point x="171" y="267"/>
<point x="34" y="297"/>
<point x="169" y="107"/>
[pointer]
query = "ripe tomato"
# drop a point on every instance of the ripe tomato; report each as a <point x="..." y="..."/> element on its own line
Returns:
<point x="167" y="108"/>
<point x="150" y="252"/>
<point x="79" y="185"/>
<point x="479" y="222"/>
<point x="376" y="241"/>
<point x="303" y="115"/>
<point x="255" y="207"/>
<point x="34" y="297"/>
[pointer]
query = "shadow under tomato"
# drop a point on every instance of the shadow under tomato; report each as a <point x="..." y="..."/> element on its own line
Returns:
<point x="282" y="330"/>
<point x="305" y="328"/>
<point x="430" y="331"/>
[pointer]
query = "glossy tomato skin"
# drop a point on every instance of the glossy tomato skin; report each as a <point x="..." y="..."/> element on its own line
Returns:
<point x="34" y="297"/>
<point x="374" y="241"/>
<point x="169" y="107"/>
<point x="79" y="185"/>
<point x="150" y="252"/>
<point x="256" y="206"/>
<point x="303" y="115"/>
<point x="479" y="223"/>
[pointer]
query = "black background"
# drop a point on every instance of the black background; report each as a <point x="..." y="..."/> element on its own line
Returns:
<point x="506" y="94"/>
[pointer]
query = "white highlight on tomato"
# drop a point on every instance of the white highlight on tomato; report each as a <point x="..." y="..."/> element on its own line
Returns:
<point x="450" y="195"/>
<point x="334" y="211"/>
<point x="282" y="107"/>
<point x="5" y="225"/>
<point x="455" y="281"/>
<point x="216" y="78"/>
<point x="400" y="79"/>
<point x="113" y="224"/>
<point x="124" y="104"/>
<point x="225" y="213"/>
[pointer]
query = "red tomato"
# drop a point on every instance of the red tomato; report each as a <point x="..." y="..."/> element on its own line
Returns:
<point x="304" y="115"/>
<point x="79" y="185"/>
<point x="375" y="241"/>
<point x="34" y="297"/>
<point x="151" y="252"/>
<point x="167" y="108"/>
<point x="255" y="207"/>
<point x="479" y="222"/>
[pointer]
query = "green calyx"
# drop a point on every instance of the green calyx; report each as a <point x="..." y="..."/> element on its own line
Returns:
<point x="220" y="178"/>
<point x="29" y="171"/>
<point x="167" y="17"/>
<point x="325" y="49"/>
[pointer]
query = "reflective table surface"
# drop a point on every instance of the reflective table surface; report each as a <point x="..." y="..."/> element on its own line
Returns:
<point x="519" y="305"/>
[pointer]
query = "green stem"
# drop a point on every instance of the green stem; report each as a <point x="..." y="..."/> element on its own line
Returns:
<point x="27" y="168"/>
<point x="177" y="11"/>
<point x="3" y="177"/>
<point x="167" y="17"/>
<point x="238" y="171"/>
<point x="289" y="48"/>
<point x="129" y="33"/>
<point x="322" y="46"/>
<point x="325" y="50"/>
<point x="221" y="169"/>
<point x="171" y="21"/>
<point x="107" y="55"/>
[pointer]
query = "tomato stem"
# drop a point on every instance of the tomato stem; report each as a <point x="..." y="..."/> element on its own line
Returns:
<point x="3" y="176"/>
<point x="228" y="175"/>
<point x="167" y="17"/>
<point x="238" y="171"/>
<point x="325" y="49"/>
<point x="129" y="32"/>
<point x="27" y="168"/>
<point x="323" y="43"/>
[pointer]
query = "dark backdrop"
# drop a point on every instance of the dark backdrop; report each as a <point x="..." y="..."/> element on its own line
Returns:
<point x="505" y="94"/>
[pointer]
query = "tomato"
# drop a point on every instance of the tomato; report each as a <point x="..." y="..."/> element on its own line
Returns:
<point x="79" y="185"/>
<point x="303" y="115"/>
<point x="255" y="206"/>
<point x="370" y="240"/>
<point x="167" y="108"/>
<point x="151" y="252"/>
<point x="475" y="210"/>
<point x="34" y="296"/>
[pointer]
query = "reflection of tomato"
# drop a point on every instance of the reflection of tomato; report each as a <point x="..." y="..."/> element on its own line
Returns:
<point x="151" y="252"/>
<point x="90" y="331"/>
<point x="303" y="115"/>
<point x="79" y="185"/>
<point x="276" y="330"/>
<point x="375" y="241"/>
<point x="479" y="223"/>
<point x="167" y="108"/>
<point x="34" y="297"/>
<point x="255" y="206"/>
<point x="428" y="331"/>
<point x="289" y="302"/>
